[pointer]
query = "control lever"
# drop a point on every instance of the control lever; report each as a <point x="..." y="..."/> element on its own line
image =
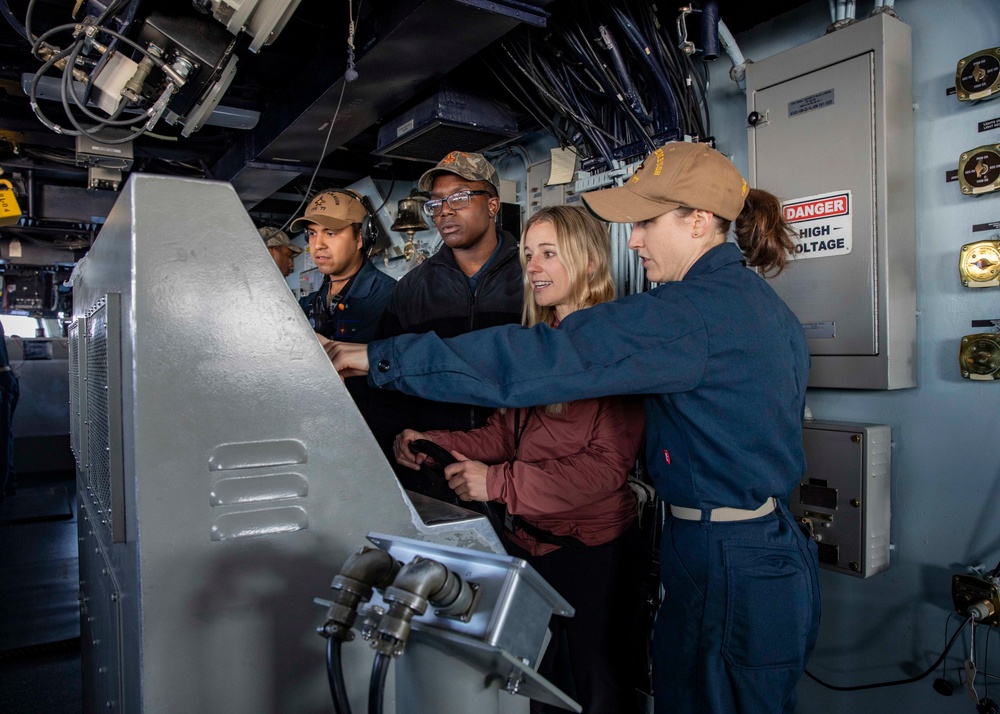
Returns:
<point x="442" y="457"/>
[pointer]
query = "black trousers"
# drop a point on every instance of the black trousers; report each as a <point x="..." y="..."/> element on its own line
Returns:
<point x="595" y="656"/>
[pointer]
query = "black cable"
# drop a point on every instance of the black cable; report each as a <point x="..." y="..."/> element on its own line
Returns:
<point x="385" y="200"/>
<point x="322" y="155"/>
<point x="67" y="91"/>
<point x="27" y="20"/>
<point x="19" y="28"/>
<point x="896" y="682"/>
<point x="944" y="662"/>
<point x="335" y="673"/>
<point x="33" y="93"/>
<point x="376" y="687"/>
<point x="986" y="664"/>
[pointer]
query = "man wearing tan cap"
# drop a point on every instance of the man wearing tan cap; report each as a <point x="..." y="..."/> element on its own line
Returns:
<point x="473" y="281"/>
<point x="281" y="248"/>
<point x="354" y="293"/>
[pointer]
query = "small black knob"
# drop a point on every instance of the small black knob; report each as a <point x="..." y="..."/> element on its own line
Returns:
<point x="943" y="687"/>
<point x="753" y="119"/>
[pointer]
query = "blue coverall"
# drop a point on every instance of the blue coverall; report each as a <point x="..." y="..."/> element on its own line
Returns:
<point x="723" y="363"/>
<point x="356" y="317"/>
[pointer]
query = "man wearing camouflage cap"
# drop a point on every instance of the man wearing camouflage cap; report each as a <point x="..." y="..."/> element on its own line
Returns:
<point x="473" y="281"/>
<point x="281" y="248"/>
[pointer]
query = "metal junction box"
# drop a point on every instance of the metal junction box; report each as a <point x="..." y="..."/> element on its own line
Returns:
<point x="844" y="495"/>
<point x="831" y="134"/>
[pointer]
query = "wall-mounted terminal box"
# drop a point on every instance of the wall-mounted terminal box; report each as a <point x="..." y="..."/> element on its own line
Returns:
<point x="831" y="134"/>
<point x="843" y="498"/>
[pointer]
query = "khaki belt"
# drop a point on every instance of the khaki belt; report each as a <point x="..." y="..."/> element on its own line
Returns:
<point x="725" y="513"/>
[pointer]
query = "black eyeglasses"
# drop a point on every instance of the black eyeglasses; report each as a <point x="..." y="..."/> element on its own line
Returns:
<point x="456" y="202"/>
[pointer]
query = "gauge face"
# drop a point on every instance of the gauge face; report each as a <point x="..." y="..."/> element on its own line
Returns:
<point x="981" y="168"/>
<point x="982" y="262"/>
<point x="979" y="74"/>
<point x="981" y="355"/>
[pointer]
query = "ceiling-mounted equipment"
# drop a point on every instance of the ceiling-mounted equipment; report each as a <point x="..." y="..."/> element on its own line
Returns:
<point x="978" y="75"/>
<point x="451" y="120"/>
<point x="979" y="170"/>
<point x="261" y="19"/>
<point x="105" y="163"/>
<point x="185" y="64"/>
<point x="979" y="356"/>
<point x="979" y="263"/>
<point x="830" y="127"/>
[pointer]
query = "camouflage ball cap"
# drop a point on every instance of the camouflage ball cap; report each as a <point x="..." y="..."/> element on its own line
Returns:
<point x="473" y="167"/>
<point x="276" y="238"/>
<point x="333" y="210"/>
<point x="675" y="175"/>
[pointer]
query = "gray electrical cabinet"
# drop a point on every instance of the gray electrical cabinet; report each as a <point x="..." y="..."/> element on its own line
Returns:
<point x="831" y="134"/>
<point x="844" y="496"/>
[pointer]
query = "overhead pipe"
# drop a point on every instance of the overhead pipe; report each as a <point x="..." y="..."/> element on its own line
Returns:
<point x="739" y="71"/>
<point x="709" y="30"/>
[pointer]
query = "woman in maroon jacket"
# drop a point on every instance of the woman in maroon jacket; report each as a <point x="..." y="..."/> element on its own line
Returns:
<point x="560" y="471"/>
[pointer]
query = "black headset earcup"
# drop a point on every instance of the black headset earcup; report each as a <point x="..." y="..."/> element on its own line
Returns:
<point x="369" y="233"/>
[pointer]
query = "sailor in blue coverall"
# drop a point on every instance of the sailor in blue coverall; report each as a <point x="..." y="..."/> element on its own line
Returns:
<point x="723" y="363"/>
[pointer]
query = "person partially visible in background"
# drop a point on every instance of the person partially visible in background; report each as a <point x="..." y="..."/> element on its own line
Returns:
<point x="9" y="392"/>
<point x="281" y="248"/>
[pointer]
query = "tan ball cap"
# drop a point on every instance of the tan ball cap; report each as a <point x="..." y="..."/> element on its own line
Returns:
<point x="678" y="174"/>
<point x="333" y="210"/>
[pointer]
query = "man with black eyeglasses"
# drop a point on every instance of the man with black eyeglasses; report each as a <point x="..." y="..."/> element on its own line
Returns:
<point x="473" y="281"/>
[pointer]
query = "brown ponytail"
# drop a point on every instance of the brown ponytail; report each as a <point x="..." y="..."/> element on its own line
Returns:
<point x="763" y="234"/>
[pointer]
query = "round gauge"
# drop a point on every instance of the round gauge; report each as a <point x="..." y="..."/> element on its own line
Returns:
<point x="981" y="356"/>
<point x="983" y="262"/>
<point x="982" y="168"/>
<point x="979" y="74"/>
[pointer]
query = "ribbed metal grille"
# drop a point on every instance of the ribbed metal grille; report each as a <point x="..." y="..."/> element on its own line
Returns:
<point x="99" y="465"/>
<point x="437" y="140"/>
<point x="74" y="389"/>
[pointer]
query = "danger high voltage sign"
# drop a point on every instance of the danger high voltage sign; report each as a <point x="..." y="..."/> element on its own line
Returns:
<point x="822" y="224"/>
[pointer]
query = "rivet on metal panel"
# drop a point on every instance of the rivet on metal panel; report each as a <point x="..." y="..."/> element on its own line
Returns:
<point x="856" y="438"/>
<point x="855" y="567"/>
<point x="856" y="503"/>
<point x="114" y="597"/>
